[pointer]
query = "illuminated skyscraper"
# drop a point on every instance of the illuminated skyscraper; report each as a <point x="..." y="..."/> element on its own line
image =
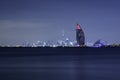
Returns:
<point x="80" y="37"/>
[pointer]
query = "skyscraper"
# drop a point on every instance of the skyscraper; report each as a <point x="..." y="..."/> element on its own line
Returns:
<point x="80" y="37"/>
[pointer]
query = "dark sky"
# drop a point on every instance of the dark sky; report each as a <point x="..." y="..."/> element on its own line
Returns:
<point x="33" y="20"/>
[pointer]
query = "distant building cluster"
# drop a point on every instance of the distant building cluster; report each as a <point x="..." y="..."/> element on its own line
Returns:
<point x="62" y="43"/>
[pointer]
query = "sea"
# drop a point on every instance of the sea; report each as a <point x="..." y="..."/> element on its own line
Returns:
<point x="59" y="63"/>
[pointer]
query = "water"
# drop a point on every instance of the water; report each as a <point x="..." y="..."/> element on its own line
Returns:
<point x="64" y="67"/>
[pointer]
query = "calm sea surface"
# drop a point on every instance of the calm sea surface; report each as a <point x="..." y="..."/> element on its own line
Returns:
<point x="63" y="67"/>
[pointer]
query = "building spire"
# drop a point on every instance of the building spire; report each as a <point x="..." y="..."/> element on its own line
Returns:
<point x="78" y="26"/>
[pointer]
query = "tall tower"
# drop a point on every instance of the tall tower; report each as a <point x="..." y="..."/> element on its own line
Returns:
<point x="80" y="37"/>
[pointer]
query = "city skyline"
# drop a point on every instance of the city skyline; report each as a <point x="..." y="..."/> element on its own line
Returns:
<point x="43" y="20"/>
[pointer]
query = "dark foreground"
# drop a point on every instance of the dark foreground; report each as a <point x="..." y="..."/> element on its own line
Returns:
<point x="59" y="63"/>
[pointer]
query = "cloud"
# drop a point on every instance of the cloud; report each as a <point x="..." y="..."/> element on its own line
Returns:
<point x="23" y="24"/>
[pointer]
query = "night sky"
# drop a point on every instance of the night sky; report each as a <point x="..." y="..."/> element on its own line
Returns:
<point x="33" y="20"/>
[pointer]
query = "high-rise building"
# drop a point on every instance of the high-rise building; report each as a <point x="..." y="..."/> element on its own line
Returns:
<point x="80" y="37"/>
